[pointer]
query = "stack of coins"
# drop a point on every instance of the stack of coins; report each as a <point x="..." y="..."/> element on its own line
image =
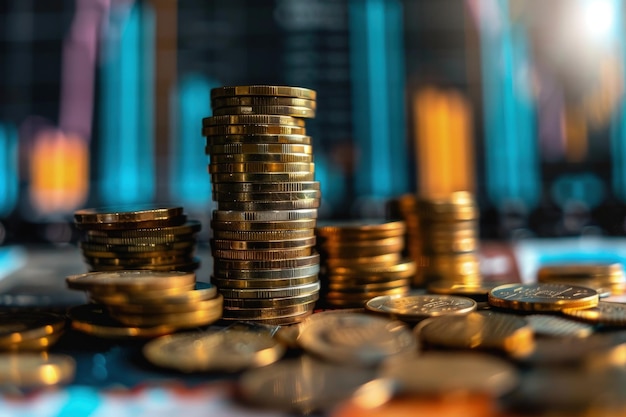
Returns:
<point x="262" y="172"/>
<point x="606" y="278"/>
<point x="143" y="303"/>
<point x="362" y="260"/>
<point x="29" y="330"/>
<point x="442" y="236"/>
<point x="147" y="238"/>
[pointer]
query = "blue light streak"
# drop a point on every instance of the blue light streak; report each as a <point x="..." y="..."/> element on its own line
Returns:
<point x="9" y="179"/>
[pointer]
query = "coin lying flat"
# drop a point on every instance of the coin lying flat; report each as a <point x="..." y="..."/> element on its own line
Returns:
<point x="263" y="234"/>
<point x="263" y="90"/>
<point x="252" y="119"/>
<point x="267" y="187"/>
<point x="205" y="313"/>
<point x="555" y="326"/>
<point x="420" y="307"/>
<point x="221" y="350"/>
<point x="200" y="291"/>
<point x="250" y="100"/>
<point x="250" y="129"/>
<point x="188" y="228"/>
<point x="130" y="280"/>
<point x="259" y="283"/>
<point x="605" y="313"/>
<point x="31" y="370"/>
<point x="294" y="111"/>
<point x="258" y="138"/>
<point x="477" y="291"/>
<point x="355" y="338"/>
<point x="542" y="297"/>
<point x="124" y="217"/>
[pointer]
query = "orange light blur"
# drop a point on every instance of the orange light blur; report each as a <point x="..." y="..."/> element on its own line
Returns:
<point x="576" y="133"/>
<point x="443" y="126"/>
<point x="59" y="172"/>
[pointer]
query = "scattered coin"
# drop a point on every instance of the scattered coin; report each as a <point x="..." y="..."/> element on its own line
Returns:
<point x="542" y="297"/>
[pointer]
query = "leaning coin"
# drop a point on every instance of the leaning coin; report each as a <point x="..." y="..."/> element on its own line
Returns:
<point x="542" y="297"/>
<point x="605" y="313"/>
<point x="356" y="339"/>
<point x="19" y="326"/>
<point x="214" y="350"/>
<point x="304" y="385"/>
<point x="35" y="370"/>
<point x="130" y="280"/>
<point x="420" y="307"/>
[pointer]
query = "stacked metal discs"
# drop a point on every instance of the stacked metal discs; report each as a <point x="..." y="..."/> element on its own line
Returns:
<point x="442" y="236"/>
<point x="30" y="330"/>
<point x="147" y="238"/>
<point x="262" y="172"/>
<point x="361" y="260"/>
<point x="606" y="278"/>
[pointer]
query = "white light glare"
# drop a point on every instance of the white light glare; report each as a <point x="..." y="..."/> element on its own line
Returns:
<point x="599" y="17"/>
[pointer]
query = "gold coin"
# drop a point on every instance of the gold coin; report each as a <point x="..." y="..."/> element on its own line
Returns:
<point x="140" y="241"/>
<point x="268" y="196"/>
<point x="253" y="129"/>
<point x="475" y="291"/>
<point x="260" y="275"/>
<point x="186" y="267"/>
<point x="20" y="326"/>
<point x="188" y="252"/>
<point x="263" y="90"/>
<point x="267" y="187"/>
<point x="256" y="148"/>
<point x="235" y="303"/>
<point x="262" y="177"/>
<point x="90" y="247"/>
<point x="163" y="307"/>
<point x="261" y="167"/>
<point x="133" y="225"/>
<point x="30" y="370"/>
<point x="555" y="326"/>
<point x="270" y="293"/>
<point x="219" y="102"/>
<point x="261" y="255"/>
<point x="258" y="138"/>
<point x="387" y="259"/>
<point x="34" y="345"/>
<point x="294" y="111"/>
<point x="459" y="205"/>
<point x="214" y="350"/>
<point x="231" y="264"/>
<point x="274" y="321"/>
<point x="245" y="226"/>
<point x="605" y="313"/>
<point x="356" y="287"/>
<point x="542" y="297"/>
<point x="228" y="158"/>
<point x="405" y="268"/>
<point x="356" y="339"/>
<point x="130" y="280"/>
<point x="272" y="313"/>
<point x="189" y="228"/>
<point x="587" y="275"/>
<point x="263" y="234"/>
<point x="366" y="229"/>
<point x="252" y="119"/>
<point x="307" y="203"/>
<point x="93" y="319"/>
<point x="420" y="307"/>
<point x="260" y="283"/>
<point x="361" y="298"/>
<point x="452" y="245"/>
<point x="179" y="320"/>
<point x="478" y="330"/>
<point x="126" y="214"/>
<point x="262" y="245"/>
<point x="373" y="248"/>
<point x="252" y="216"/>
<point x="365" y="279"/>
<point x="200" y="291"/>
<point x="115" y="296"/>
<point x="140" y="262"/>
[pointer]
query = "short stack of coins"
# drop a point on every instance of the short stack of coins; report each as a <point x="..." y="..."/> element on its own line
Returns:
<point x="362" y="260"/>
<point x="262" y="174"/>
<point x="606" y="278"/>
<point x="442" y="236"/>
<point x="143" y="303"/>
<point x="131" y="238"/>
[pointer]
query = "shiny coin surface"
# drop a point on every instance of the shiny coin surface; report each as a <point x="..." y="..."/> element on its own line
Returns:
<point x="233" y="264"/>
<point x="256" y="314"/>
<point x="605" y="313"/>
<point x="188" y="228"/>
<point x="179" y="305"/>
<point x="263" y="177"/>
<point x="548" y="273"/>
<point x="554" y="326"/>
<point x="419" y="307"/>
<point x="18" y="327"/>
<point x="125" y="214"/>
<point x="307" y="203"/>
<point x="250" y="129"/>
<point x="478" y="331"/>
<point x="130" y="280"/>
<point x="138" y="263"/>
<point x="162" y="239"/>
<point x="90" y="247"/>
<point x="263" y="90"/>
<point x="33" y="370"/>
<point x="274" y="215"/>
<point x="267" y="274"/>
<point x="188" y="295"/>
<point x="262" y="255"/>
<point x="258" y="138"/>
<point x="228" y="158"/>
<point x="304" y="385"/>
<point x="477" y="291"/>
<point x="542" y="297"/>
<point x="294" y="111"/>
<point x="252" y="119"/>
<point x="267" y="196"/>
<point x="355" y="338"/>
<point x="434" y="373"/>
<point x="249" y="100"/>
<point x="214" y="350"/>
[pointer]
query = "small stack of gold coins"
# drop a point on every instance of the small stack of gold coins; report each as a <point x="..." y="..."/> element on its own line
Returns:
<point x="147" y="238"/>
<point x="606" y="278"/>
<point x="262" y="172"/>
<point x="143" y="303"/>
<point x="361" y="260"/>
<point x="30" y="330"/>
<point x="442" y="236"/>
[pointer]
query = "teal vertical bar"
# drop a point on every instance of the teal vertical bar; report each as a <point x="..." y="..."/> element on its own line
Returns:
<point x="9" y="179"/>
<point x="126" y="157"/>
<point x="377" y="74"/>
<point x="618" y="125"/>
<point x="190" y="183"/>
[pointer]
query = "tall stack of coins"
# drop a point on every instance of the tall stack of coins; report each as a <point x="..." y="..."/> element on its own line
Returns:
<point x="147" y="238"/>
<point x="442" y="236"/>
<point x="262" y="172"/>
<point x="362" y="260"/>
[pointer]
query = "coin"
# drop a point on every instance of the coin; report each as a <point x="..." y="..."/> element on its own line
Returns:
<point x="478" y="330"/>
<point x="260" y="158"/>
<point x="189" y="228"/>
<point x="261" y="167"/>
<point x="303" y="385"/>
<point x="186" y="267"/>
<point x="356" y="286"/>
<point x="139" y="241"/>
<point x="263" y="177"/>
<point x="179" y="320"/>
<point x="268" y="196"/>
<point x="554" y="326"/>
<point x="605" y="313"/>
<point x="542" y="297"/>
<point x="253" y="129"/>
<point x="388" y="259"/>
<point x="125" y="214"/>
<point x="165" y="306"/>
<point x="271" y="187"/>
<point x="256" y="314"/>
<point x="187" y="252"/>
<point x="266" y="235"/>
<point x="272" y="215"/>
<point x="220" y="102"/>
<point x="263" y="90"/>
<point x="476" y="291"/>
<point x="226" y="264"/>
<point x="263" y="226"/>
<point x="258" y="138"/>
<point x="18" y="327"/>
<point x="268" y="274"/>
<point x="256" y="148"/>
<point x="130" y="280"/>
<point x="434" y="373"/>
<point x="252" y="119"/>
<point x="351" y="299"/>
<point x="457" y="206"/>
<point x="234" y="303"/>
<point x="140" y="262"/>
<point x="273" y="321"/>
<point x="131" y="225"/>
<point x="401" y="269"/>
<point x="263" y="283"/>
<point x="419" y="307"/>
<point x="262" y="255"/>
<point x="295" y="111"/>
<point x="198" y="292"/>
<point x="90" y="247"/>
<point x="261" y="245"/>
<point x="270" y="293"/>
<point x="356" y="339"/>
<point x="32" y="370"/>
<point x="370" y="229"/>
<point x="307" y="203"/>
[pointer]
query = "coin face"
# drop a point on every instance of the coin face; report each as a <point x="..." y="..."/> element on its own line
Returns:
<point x="542" y="297"/>
<point x="355" y="338"/>
<point x="605" y="313"/>
<point x="419" y="307"/>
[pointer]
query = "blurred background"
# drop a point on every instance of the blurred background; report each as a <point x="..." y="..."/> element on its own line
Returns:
<point x="519" y="101"/>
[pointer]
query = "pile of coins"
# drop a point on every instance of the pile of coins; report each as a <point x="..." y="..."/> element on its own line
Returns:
<point x="606" y="278"/>
<point x="361" y="260"/>
<point x="262" y="174"/>
<point x="30" y="330"/>
<point x="143" y="303"/>
<point x="442" y="236"/>
<point x="131" y="238"/>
